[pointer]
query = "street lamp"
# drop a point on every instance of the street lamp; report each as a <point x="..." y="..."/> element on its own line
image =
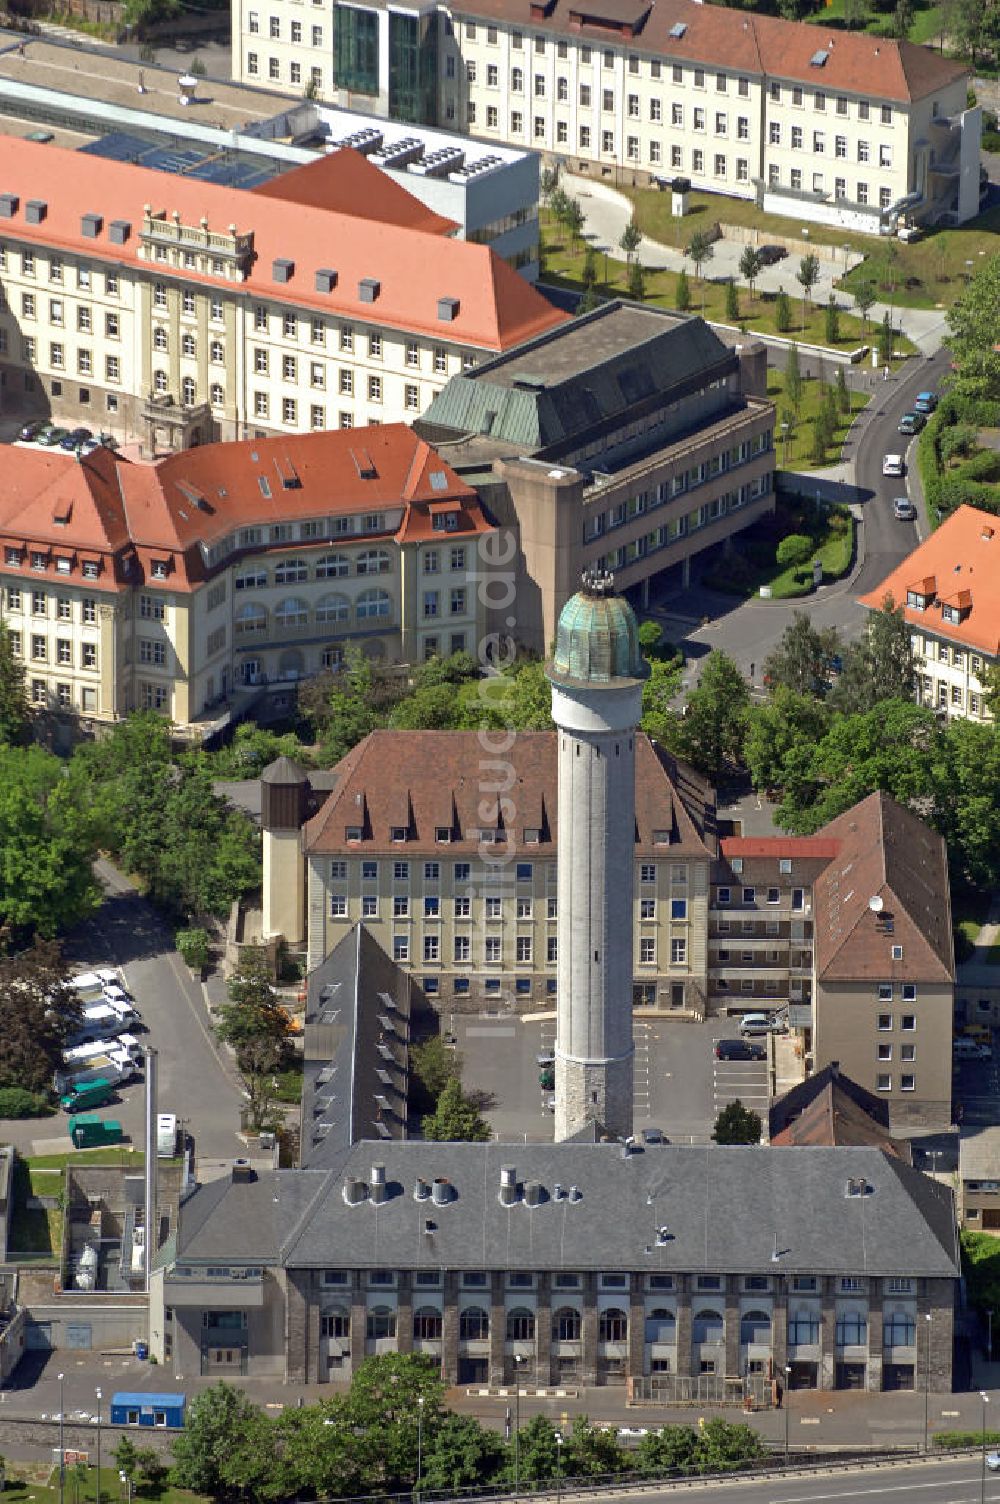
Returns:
<point x="62" y="1438"/>
<point x="420" y="1442"/>
<point x="927" y="1377"/>
<point x="518" y="1360"/>
<point x="559" y="1446"/>
<point x="786" y="435"/>
<point x="784" y="1401"/>
<point x="982" y="1490"/>
<point x="99" y="1398"/>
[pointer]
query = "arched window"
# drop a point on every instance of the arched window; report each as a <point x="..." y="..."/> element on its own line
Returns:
<point x="612" y="1325"/>
<point x="293" y="611"/>
<point x="291" y="572"/>
<point x="374" y="561"/>
<point x="566" y="1325"/>
<point x="706" y="1326"/>
<point x="520" y="1325"/>
<point x="159" y="338"/>
<point x="336" y="1323"/>
<point x="372" y="603"/>
<point x="661" y="1325"/>
<point x="332" y="566"/>
<point x="427" y="1324"/>
<point x="473" y="1325"/>
<point x="852" y="1329"/>
<point x="250" y="619"/>
<point x="332" y="608"/>
<point x="755" y="1326"/>
<point x="216" y="353"/>
<point x="381" y="1322"/>
<point x="159" y="382"/>
<point x="216" y="394"/>
<point x="188" y="346"/>
<point x="188" y="391"/>
<point x="899" y="1329"/>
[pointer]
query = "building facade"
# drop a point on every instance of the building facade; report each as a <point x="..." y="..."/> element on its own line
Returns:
<point x="228" y="572"/>
<point x="843" y="129"/>
<point x="560" y="1263"/>
<point x="949" y="591"/>
<point x="181" y="311"/>
<point x="628" y="442"/>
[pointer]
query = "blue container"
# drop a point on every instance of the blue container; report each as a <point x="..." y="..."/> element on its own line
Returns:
<point x="138" y="1408"/>
<point x="142" y="1350"/>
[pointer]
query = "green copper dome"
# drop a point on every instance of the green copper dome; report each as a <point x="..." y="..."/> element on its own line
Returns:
<point x="597" y="639"/>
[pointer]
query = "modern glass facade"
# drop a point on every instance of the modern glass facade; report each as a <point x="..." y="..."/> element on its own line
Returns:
<point x="357" y="50"/>
<point x="413" y="67"/>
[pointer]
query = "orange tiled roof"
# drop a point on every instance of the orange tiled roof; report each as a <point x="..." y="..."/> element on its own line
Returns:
<point x="120" y="512"/>
<point x="347" y="183"/>
<point x="958" y="565"/>
<point x="496" y="308"/>
<point x="778" y="846"/>
<point x="738" y="42"/>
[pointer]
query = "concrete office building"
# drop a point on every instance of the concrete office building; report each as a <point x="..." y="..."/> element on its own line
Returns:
<point x="572" y="1263"/>
<point x="838" y="128"/>
<point x="596" y="674"/>
<point x="627" y="442"/>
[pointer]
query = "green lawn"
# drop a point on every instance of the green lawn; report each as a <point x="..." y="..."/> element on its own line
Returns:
<point x="797" y="455"/>
<point x="80" y="1487"/>
<point x="654" y="218"/>
<point x="753" y="563"/>
<point x="924" y="28"/>
<point x="110" y="1154"/>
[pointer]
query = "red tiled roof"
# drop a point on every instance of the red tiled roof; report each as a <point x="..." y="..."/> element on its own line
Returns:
<point x="961" y="561"/>
<point x="778" y="846"/>
<point x="347" y="183"/>
<point x="497" y="308"/>
<point x="201" y="495"/>
<point x="741" y="42"/>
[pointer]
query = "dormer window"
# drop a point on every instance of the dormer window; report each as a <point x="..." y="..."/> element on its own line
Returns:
<point x="918" y="602"/>
<point x="397" y="833"/>
<point x="354" y="832"/>
<point x="661" y="838"/>
<point x="532" y="837"/>
<point x="39" y="560"/>
<point x="442" y="833"/>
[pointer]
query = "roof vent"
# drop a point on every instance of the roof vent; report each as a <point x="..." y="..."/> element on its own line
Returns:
<point x="421" y="1191"/>
<point x="442" y="1191"/>
<point x="91" y="226"/>
<point x="368" y="289"/>
<point x="532" y="1193"/>
<point x="448" y="309"/>
<point x="678" y="29"/>
<point x="378" y="1184"/>
<point x="326" y="279"/>
<point x="662" y="1237"/>
<point x="282" y="270"/>
<point x="119" y="231"/>
<point x="35" y="210"/>
<point x="858" y="1186"/>
<point x="430" y="1228"/>
<point x="8" y="205"/>
<point x="508" y="1185"/>
<point x="818" y="59"/>
<point x="355" y="1190"/>
<point x="557" y="1192"/>
<point x="575" y="1194"/>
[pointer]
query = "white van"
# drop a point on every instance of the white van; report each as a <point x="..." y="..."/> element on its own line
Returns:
<point x="760" y="1023"/>
<point x="166" y="1135"/>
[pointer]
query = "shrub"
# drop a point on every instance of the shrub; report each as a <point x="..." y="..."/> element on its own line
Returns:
<point x="793" y="550"/>
<point x="957" y="440"/>
<point x="783" y="312"/>
<point x="16" y="1102"/>
<point x="194" y="946"/>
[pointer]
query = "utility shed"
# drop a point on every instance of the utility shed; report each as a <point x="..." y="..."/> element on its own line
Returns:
<point x="135" y="1408"/>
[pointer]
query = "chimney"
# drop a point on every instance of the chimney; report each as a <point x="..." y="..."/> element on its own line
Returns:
<point x="378" y="1184"/>
<point x="421" y="1190"/>
<point x="508" y="1185"/>
<point x="355" y="1190"/>
<point x="441" y="1190"/>
<point x="532" y="1193"/>
<point x="575" y="1194"/>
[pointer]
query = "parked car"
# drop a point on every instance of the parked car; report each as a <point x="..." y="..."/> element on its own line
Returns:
<point x="760" y="1023"/>
<point x="911" y="422"/>
<point x="52" y="435"/>
<point x="993" y="1461"/>
<point x="903" y="509"/>
<point x="769" y="254"/>
<point x="75" y="438"/>
<point x="547" y="1078"/>
<point x="544" y="1058"/>
<point x="892" y="464"/>
<point x="739" y="1049"/>
<point x="29" y="431"/>
<point x="964" y="1048"/>
<point x="654" y="1136"/>
<point x="926" y="402"/>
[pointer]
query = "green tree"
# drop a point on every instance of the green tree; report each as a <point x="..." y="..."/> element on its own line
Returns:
<point x="803" y="658"/>
<point x="750" y="266"/>
<point x="462" y="1454"/>
<point x="382" y="1411"/>
<point x="433" y="1064"/>
<point x="350" y="713"/>
<point x="885" y="339"/>
<point x="15" y="712"/>
<point x="820" y="438"/>
<point x="831" y="317"/>
<point x="631" y="239"/>
<point x="782" y="312"/>
<point x="590" y="300"/>
<point x="456" y="1118"/>
<point x="780" y="733"/>
<point x="682" y="292"/>
<point x="558" y="203"/>
<point x="701" y="250"/>
<point x="842" y="394"/>
<point x="669" y="1449"/>
<point x="636" y="281"/>
<point x="737" y="1124"/>
<point x="589" y="274"/>
<point x="48" y="838"/>
<point x="650" y="638"/>
<point x="902" y="18"/>
<point x="879" y="665"/>
<point x="538" y="1454"/>
<point x="724" y="1444"/>
<point x="548" y="182"/>
<point x="966" y="810"/>
<point x="794" y="549"/>
<point x="662" y="686"/>
<point x="974" y="318"/>
<point x="732" y="301"/>
<point x="256" y="1026"/>
<point x="211" y="1453"/>
<point x="574" y="220"/>
<point x="195" y="947"/>
<point x="38" y="1013"/>
<point x="807" y="276"/>
<point x="518" y="699"/>
<point x="864" y="299"/>
<point x="793" y="378"/>
<point x="210" y="852"/>
<point x="323" y="1454"/>
<point x="126" y="1455"/>
<point x="592" y="1451"/>
<point x="711" y="732"/>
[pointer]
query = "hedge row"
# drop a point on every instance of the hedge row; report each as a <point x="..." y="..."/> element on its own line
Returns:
<point x="968" y="484"/>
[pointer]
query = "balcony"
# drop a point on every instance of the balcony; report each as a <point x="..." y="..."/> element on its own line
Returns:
<point x="246" y="1293"/>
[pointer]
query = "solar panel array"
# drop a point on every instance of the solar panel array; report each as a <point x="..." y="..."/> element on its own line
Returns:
<point x="228" y="168"/>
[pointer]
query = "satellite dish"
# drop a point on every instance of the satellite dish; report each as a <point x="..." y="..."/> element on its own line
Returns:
<point x="876" y="904"/>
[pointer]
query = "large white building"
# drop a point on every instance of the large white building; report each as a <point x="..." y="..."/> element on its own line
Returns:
<point x="836" y="127"/>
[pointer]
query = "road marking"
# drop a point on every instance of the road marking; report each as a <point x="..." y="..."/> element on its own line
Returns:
<point x="865" y="1493"/>
<point x="500" y="1031"/>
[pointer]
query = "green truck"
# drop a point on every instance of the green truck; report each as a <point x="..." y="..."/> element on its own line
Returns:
<point x="89" y="1094"/>
<point x="90" y="1132"/>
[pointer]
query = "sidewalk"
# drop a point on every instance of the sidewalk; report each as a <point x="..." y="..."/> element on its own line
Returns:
<point x="977" y="971"/>
<point x="606" y="212"/>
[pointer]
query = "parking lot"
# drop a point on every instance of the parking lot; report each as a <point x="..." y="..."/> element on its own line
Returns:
<point x="679" y="1085"/>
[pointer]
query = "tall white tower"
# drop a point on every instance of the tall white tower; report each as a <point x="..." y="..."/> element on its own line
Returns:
<point x="596" y="675"/>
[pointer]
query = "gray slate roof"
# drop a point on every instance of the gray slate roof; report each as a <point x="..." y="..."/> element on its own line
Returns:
<point x="244" y="1221"/>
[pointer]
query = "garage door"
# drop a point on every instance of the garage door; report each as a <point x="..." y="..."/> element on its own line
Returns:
<point x="38" y="1336"/>
<point x="79" y="1334"/>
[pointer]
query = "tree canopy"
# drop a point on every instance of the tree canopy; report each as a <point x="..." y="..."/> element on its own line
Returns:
<point x="737" y="1124"/>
